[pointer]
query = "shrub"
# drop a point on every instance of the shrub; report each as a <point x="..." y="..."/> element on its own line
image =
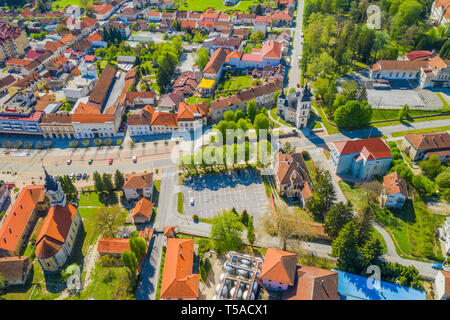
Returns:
<point x="306" y="155"/>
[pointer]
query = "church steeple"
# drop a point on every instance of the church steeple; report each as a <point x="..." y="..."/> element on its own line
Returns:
<point x="54" y="190"/>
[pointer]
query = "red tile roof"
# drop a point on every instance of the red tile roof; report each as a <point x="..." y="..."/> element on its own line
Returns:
<point x="55" y="230"/>
<point x="313" y="283"/>
<point x="178" y="281"/>
<point x="143" y="207"/>
<point x="14" y="224"/>
<point x="424" y="141"/>
<point x="373" y="148"/>
<point x="413" y="55"/>
<point x="138" y="181"/>
<point x="279" y="266"/>
<point x="394" y="183"/>
<point x="164" y="119"/>
<point x="110" y="245"/>
<point x="216" y="61"/>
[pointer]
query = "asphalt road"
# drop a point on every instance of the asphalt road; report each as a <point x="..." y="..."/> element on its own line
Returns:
<point x="297" y="49"/>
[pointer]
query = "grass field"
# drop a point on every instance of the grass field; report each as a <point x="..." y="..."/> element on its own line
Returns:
<point x="273" y="113"/>
<point x="61" y="4"/>
<point x="238" y="83"/>
<point x="180" y="203"/>
<point x="412" y="227"/>
<point x="402" y="133"/>
<point x="202" y="5"/>
<point x="330" y="129"/>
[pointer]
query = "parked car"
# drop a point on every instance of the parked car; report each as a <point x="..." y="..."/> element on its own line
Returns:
<point x="192" y="201"/>
<point x="84" y="176"/>
<point x="69" y="161"/>
<point x="90" y="161"/>
<point x="72" y="175"/>
<point x="79" y="176"/>
<point x="110" y="161"/>
<point x="437" y="266"/>
<point x="134" y="159"/>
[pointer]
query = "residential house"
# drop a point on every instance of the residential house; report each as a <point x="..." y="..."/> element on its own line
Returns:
<point x="113" y="247"/>
<point x="178" y="279"/>
<point x="103" y="11"/>
<point x="442" y="285"/>
<point x="261" y="24"/>
<point x="4" y="194"/>
<point x="26" y="122"/>
<point x="20" y="220"/>
<point x="292" y="176"/>
<point x="242" y="33"/>
<point x="170" y="101"/>
<point x="192" y="116"/>
<point x="421" y="146"/>
<point x="102" y="88"/>
<point x="446" y="234"/>
<point x="355" y="287"/>
<point x="142" y="212"/>
<point x="154" y="16"/>
<point x="138" y="185"/>
<point x="243" y="18"/>
<point x="15" y="270"/>
<point x="6" y="82"/>
<point x="395" y="191"/>
<point x="223" y="42"/>
<point x="312" y="283"/>
<point x="279" y="269"/>
<point x="362" y="159"/>
<point x="136" y="98"/>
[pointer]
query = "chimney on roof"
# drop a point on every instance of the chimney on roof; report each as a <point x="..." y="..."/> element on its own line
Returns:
<point x="14" y="213"/>
<point x="10" y="230"/>
<point x="181" y="255"/>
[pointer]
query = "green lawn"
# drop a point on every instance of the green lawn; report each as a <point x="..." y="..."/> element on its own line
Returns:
<point x="107" y="283"/>
<point x="202" y="5"/>
<point x="402" y="133"/>
<point x="330" y="129"/>
<point x="194" y="99"/>
<point x="61" y="4"/>
<point x="238" y="83"/>
<point x="158" y="185"/>
<point x="180" y="202"/>
<point x="388" y="114"/>
<point x="446" y="105"/>
<point x="161" y="270"/>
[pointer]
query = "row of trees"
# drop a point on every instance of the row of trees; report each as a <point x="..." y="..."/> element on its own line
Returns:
<point x="104" y="183"/>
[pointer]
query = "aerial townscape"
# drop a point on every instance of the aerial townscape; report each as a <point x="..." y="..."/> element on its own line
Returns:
<point x="224" y="150"/>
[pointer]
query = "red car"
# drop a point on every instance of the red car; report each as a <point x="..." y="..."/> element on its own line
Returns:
<point x="110" y="161"/>
<point x="298" y="85"/>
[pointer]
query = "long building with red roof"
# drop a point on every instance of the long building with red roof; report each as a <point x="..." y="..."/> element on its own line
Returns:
<point x="361" y="159"/>
<point x="20" y="220"/>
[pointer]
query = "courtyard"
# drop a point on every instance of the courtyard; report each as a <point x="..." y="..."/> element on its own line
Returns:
<point x="241" y="189"/>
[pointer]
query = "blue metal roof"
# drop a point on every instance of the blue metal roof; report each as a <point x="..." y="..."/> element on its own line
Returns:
<point x="352" y="286"/>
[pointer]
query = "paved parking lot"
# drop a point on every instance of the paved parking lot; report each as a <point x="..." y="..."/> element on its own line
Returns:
<point x="243" y="189"/>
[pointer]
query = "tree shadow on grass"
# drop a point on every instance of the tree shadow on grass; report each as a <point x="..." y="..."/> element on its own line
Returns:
<point x="407" y="213"/>
<point x="108" y="199"/>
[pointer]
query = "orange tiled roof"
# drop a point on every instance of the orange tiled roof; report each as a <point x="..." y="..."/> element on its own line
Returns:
<point x="67" y="38"/>
<point x="84" y="108"/>
<point x="52" y="46"/>
<point x="14" y="224"/>
<point x="138" y="181"/>
<point x="143" y="207"/>
<point x="55" y="230"/>
<point x="189" y="112"/>
<point x="424" y="141"/>
<point x="110" y="245"/>
<point x="178" y="281"/>
<point x="372" y="148"/>
<point x="394" y="183"/>
<point x="313" y="283"/>
<point x="279" y="266"/>
<point x="93" y="118"/>
<point x="216" y="61"/>
<point x="164" y="119"/>
<point x="95" y="37"/>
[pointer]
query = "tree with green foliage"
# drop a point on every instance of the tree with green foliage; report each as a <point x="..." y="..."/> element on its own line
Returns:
<point x="202" y="55"/>
<point x="138" y="246"/>
<point x="364" y="224"/>
<point x="130" y="261"/>
<point x="339" y="215"/>
<point x="345" y="248"/>
<point x="403" y="113"/>
<point x="252" y="110"/>
<point x="238" y="115"/>
<point x="2" y="283"/>
<point x="226" y="232"/>
<point x="371" y="252"/>
<point x="107" y="182"/>
<point x="98" y="183"/>
<point x="276" y="95"/>
<point x="119" y="180"/>
<point x="323" y="196"/>
<point x="68" y="188"/>
<point x="431" y="166"/>
<point x="443" y="179"/>
<point x="244" y="218"/>
<point x="251" y="236"/>
<point x="353" y="114"/>
<point x="261" y="122"/>
<point x="228" y="115"/>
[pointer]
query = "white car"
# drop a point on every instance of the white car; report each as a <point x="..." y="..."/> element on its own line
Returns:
<point x="192" y="201"/>
<point x="72" y="175"/>
<point x="69" y="162"/>
<point x="134" y="159"/>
